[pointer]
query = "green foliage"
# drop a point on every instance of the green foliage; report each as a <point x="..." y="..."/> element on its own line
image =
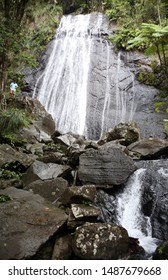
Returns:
<point x="125" y="33"/>
<point x="12" y="120"/>
<point x="4" y="198"/>
<point x="165" y="125"/>
<point x="147" y="78"/>
<point x="160" y="106"/>
<point x="7" y="174"/>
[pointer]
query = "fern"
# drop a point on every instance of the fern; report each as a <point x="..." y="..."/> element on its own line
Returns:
<point x="12" y="120"/>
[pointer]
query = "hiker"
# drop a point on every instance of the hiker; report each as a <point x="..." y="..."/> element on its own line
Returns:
<point x="13" y="87"/>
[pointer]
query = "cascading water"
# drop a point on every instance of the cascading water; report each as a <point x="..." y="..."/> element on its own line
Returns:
<point x="130" y="215"/>
<point x="63" y="91"/>
<point x="79" y="86"/>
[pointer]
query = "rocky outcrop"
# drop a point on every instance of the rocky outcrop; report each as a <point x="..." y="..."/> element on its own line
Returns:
<point x="27" y="223"/>
<point x="105" y="167"/>
<point x="155" y="196"/>
<point x="100" y="241"/>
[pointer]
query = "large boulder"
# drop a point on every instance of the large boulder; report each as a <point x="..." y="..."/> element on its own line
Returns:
<point x="151" y="148"/>
<point x="28" y="221"/>
<point x="44" y="171"/>
<point x="100" y="241"/>
<point x="78" y="194"/>
<point x="42" y="125"/>
<point x="127" y="133"/>
<point x="49" y="189"/>
<point x="106" y="167"/>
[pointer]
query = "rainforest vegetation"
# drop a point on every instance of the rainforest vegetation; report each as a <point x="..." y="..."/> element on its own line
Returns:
<point x="27" y="26"/>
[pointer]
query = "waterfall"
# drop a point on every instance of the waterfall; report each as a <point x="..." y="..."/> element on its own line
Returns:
<point x="63" y="90"/>
<point x="129" y="213"/>
<point x="85" y="85"/>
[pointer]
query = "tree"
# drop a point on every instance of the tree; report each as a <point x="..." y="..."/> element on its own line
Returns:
<point x="11" y="14"/>
<point x="153" y="38"/>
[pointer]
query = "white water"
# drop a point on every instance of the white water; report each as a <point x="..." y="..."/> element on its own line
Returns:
<point x="107" y="91"/>
<point x="125" y="107"/>
<point x="80" y="86"/>
<point x="129" y="212"/>
<point x="63" y="91"/>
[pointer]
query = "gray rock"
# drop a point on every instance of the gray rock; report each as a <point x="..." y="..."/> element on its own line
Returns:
<point x="78" y="194"/>
<point x="155" y="195"/>
<point x="82" y="211"/>
<point x="62" y="248"/>
<point x="150" y="148"/>
<point x="106" y="166"/>
<point x="44" y="171"/>
<point x="49" y="189"/>
<point x="96" y="241"/>
<point x="27" y="223"/>
<point x="127" y="133"/>
<point x="9" y="155"/>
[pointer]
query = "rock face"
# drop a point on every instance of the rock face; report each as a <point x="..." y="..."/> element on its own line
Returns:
<point x="150" y="148"/>
<point x="155" y="198"/>
<point x="100" y="241"/>
<point x="119" y="97"/>
<point x="161" y="252"/>
<point x="105" y="167"/>
<point x="27" y="223"/>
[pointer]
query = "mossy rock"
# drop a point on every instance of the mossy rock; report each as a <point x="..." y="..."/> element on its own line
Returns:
<point x="161" y="252"/>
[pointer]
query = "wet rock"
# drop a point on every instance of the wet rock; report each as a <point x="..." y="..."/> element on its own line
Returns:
<point x="151" y="148"/>
<point x="100" y="241"/>
<point x="28" y="221"/>
<point x="44" y="171"/>
<point x="155" y="195"/>
<point x="49" y="189"/>
<point x="106" y="166"/>
<point x="161" y="252"/>
<point x="106" y="202"/>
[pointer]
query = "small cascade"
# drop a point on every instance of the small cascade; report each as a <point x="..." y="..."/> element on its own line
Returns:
<point x="107" y="91"/>
<point x="129" y="212"/>
<point x="125" y="99"/>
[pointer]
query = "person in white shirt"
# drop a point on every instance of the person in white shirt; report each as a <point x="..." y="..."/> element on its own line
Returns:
<point x="13" y="87"/>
